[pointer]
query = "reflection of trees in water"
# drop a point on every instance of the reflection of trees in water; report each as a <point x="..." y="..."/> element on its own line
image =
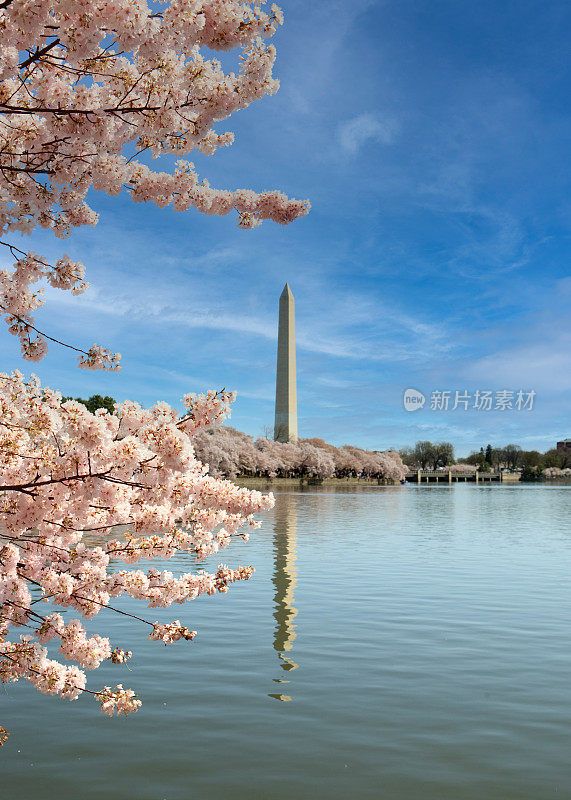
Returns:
<point x="285" y="580"/>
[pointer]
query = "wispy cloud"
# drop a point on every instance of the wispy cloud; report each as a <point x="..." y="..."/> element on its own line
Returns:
<point x="355" y="133"/>
<point x="318" y="57"/>
<point x="353" y="327"/>
<point x="541" y="366"/>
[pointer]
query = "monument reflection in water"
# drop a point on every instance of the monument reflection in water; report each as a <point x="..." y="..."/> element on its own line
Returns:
<point x="285" y="580"/>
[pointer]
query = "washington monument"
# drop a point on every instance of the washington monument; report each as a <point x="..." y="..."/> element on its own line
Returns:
<point x="285" y="429"/>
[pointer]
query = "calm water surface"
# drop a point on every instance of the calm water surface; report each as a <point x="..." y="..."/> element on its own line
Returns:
<point x="395" y="643"/>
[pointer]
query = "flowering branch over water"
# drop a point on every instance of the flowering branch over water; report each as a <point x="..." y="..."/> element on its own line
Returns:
<point x="65" y="472"/>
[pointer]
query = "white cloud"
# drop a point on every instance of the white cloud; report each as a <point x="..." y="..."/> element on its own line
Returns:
<point x="356" y="132"/>
<point x="370" y="332"/>
<point x="545" y="366"/>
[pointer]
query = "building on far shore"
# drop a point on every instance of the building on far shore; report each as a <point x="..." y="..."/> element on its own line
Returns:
<point x="564" y="445"/>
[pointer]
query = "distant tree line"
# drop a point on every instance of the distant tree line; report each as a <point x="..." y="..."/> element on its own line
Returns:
<point x="533" y="465"/>
<point x="428" y="455"/>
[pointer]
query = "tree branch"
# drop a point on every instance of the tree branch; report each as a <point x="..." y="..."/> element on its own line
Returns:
<point x="41" y="333"/>
<point x="38" y="54"/>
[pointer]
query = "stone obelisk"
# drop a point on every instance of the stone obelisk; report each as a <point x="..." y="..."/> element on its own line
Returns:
<point x="285" y="429"/>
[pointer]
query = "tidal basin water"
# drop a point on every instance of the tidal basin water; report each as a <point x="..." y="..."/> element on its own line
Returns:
<point x="398" y="643"/>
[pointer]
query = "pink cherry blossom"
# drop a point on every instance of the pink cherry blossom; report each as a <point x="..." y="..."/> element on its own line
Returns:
<point x="117" y="700"/>
<point x="171" y="632"/>
<point x="229" y="453"/>
<point x="69" y="481"/>
<point x="85" y="85"/>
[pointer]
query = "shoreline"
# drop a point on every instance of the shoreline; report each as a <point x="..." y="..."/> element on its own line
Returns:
<point x="269" y="483"/>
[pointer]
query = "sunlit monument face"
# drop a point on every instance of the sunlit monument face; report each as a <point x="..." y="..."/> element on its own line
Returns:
<point x="285" y="429"/>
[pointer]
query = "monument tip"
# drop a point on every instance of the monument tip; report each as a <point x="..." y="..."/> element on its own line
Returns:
<point x="287" y="290"/>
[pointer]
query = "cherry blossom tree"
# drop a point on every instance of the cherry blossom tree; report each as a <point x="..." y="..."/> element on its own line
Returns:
<point x="218" y="450"/>
<point x="86" y="90"/>
<point x="226" y="452"/>
<point x="314" y="461"/>
<point x="462" y="469"/>
<point x="90" y="91"/>
<point x="350" y="461"/>
<point x="66" y="472"/>
<point x="347" y="463"/>
<point x="268" y="463"/>
<point x="265" y="466"/>
<point x="556" y="472"/>
<point x="391" y="468"/>
<point x="229" y="453"/>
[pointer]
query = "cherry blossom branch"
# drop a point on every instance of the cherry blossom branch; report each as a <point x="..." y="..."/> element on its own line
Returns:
<point x="41" y="333"/>
<point x="37" y="672"/>
<point x="35" y="484"/>
<point x="69" y="116"/>
<point x="87" y="600"/>
<point x="38" y="54"/>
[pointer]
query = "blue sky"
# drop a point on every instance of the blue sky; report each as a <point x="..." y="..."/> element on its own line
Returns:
<point x="432" y="139"/>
